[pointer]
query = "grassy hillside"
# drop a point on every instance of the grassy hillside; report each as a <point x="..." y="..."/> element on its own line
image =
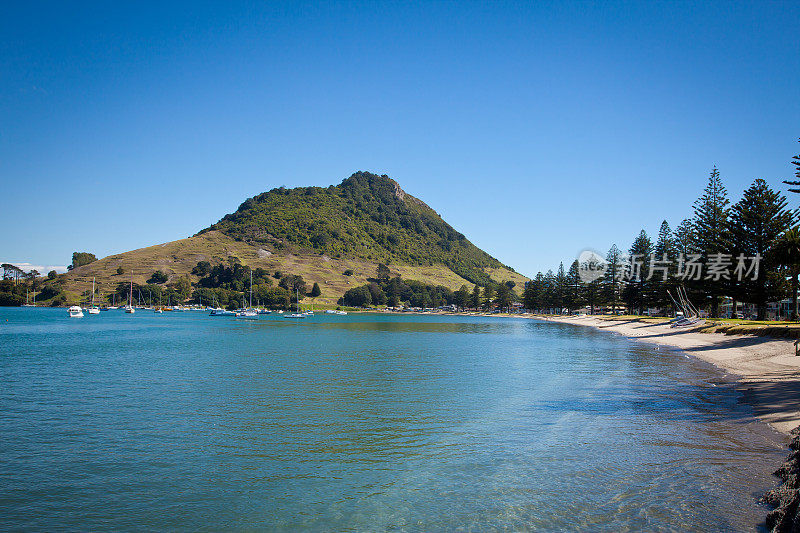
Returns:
<point x="318" y="233"/>
<point x="177" y="259"/>
<point x="367" y="216"/>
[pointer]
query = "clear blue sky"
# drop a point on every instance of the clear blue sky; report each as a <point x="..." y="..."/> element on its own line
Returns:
<point x="537" y="129"/>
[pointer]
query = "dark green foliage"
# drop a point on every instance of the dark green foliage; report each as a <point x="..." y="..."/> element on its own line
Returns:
<point x="120" y="271"/>
<point x="711" y="232"/>
<point x="81" y="258"/>
<point x="758" y="220"/>
<point x="315" y="290"/>
<point x="503" y="296"/>
<point x="357" y="297"/>
<point x="637" y="289"/>
<point x="383" y="272"/>
<point x="52" y="274"/>
<point x="294" y="284"/>
<point x="395" y="291"/>
<point x="475" y="297"/>
<point x="158" y="277"/>
<point x="366" y="216"/>
<point x="787" y="254"/>
<point x="48" y="291"/>
<point x="462" y="297"/>
<point x="9" y="299"/>
<point x="202" y="268"/>
<point x="348" y="272"/>
<point x="234" y="277"/>
<point x="796" y="163"/>
<point x="488" y="297"/>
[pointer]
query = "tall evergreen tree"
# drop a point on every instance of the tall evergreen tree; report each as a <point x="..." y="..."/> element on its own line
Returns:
<point x="550" y="298"/>
<point x="503" y="296"/>
<point x="475" y="299"/>
<point x="533" y="297"/>
<point x="461" y="297"/>
<point x="561" y="287"/>
<point x="488" y="296"/>
<point x="611" y="284"/>
<point x="636" y="292"/>
<point x="787" y="252"/>
<point x="663" y="268"/>
<point x="796" y="163"/>
<point x="757" y="222"/>
<point x="711" y="231"/>
<point x="575" y="287"/>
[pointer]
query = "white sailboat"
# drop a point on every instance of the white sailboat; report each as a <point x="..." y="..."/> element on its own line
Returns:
<point x="298" y="314"/>
<point x="129" y="308"/>
<point x="75" y="311"/>
<point x="93" y="310"/>
<point x="249" y="313"/>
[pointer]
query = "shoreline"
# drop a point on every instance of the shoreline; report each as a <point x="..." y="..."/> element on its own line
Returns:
<point x="765" y="368"/>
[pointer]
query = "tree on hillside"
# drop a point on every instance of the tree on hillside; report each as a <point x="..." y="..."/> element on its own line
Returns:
<point x="202" y="268"/>
<point x="293" y="283"/>
<point x="52" y="274"/>
<point x="712" y="236"/>
<point x="81" y="258"/>
<point x="315" y="290"/>
<point x="796" y="163"/>
<point x="757" y="222"/>
<point x="383" y="272"/>
<point x="120" y="271"/>
<point x="158" y="277"/>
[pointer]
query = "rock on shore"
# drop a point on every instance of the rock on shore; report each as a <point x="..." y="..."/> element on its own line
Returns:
<point x="785" y="518"/>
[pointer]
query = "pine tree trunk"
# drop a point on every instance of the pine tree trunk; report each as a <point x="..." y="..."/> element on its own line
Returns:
<point x="794" y="296"/>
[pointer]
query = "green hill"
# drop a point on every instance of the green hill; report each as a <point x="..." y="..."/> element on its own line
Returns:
<point x="366" y="216"/>
<point x="333" y="236"/>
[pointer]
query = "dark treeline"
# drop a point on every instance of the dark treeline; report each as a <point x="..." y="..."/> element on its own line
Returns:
<point x="395" y="291"/>
<point x="742" y="253"/>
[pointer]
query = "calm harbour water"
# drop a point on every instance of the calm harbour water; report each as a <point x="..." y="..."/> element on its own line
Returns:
<point x="183" y="421"/>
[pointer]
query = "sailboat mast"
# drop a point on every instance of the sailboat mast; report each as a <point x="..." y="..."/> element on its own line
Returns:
<point x="251" y="288"/>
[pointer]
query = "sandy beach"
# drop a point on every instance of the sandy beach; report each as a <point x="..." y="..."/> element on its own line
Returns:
<point x="766" y="368"/>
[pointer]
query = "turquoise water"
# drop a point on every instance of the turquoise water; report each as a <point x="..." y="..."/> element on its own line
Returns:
<point x="183" y="421"/>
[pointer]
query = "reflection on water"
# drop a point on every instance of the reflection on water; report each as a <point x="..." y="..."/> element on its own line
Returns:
<point x="186" y="422"/>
